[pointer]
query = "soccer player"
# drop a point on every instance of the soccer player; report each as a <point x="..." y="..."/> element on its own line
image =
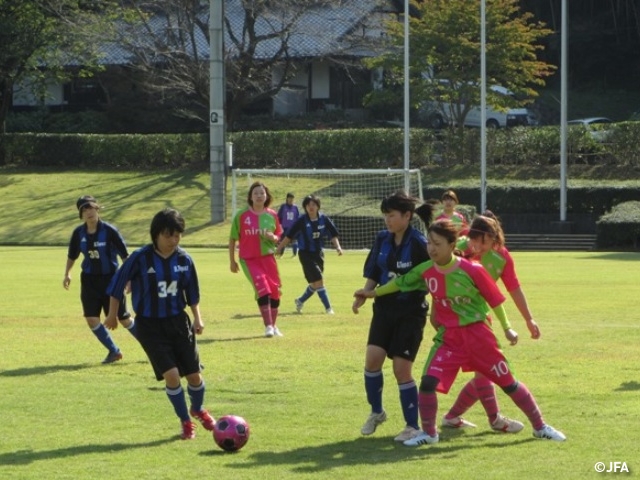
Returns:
<point x="449" y="202"/>
<point x="463" y="294"/>
<point x="100" y="244"/>
<point x="486" y="245"/>
<point x="310" y="230"/>
<point x="256" y="229"/>
<point x="397" y="326"/>
<point x="288" y="213"/>
<point x="163" y="282"/>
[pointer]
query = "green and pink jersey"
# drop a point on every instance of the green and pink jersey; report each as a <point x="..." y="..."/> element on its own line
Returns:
<point x="463" y="293"/>
<point x="248" y="229"/>
<point x="497" y="262"/>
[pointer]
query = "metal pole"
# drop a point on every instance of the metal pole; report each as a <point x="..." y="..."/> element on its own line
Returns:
<point x="216" y="111"/>
<point x="483" y="106"/>
<point x="563" y="113"/>
<point x="406" y="96"/>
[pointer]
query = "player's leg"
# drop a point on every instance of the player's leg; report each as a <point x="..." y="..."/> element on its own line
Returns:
<point x="310" y="274"/>
<point x="406" y="335"/>
<point x="175" y="394"/>
<point x="373" y="386"/>
<point x="489" y="360"/>
<point x="317" y="282"/>
<point x="91" y="297"/>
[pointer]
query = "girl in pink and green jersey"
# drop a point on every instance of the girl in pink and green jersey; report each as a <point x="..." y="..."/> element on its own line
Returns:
<point x="449" y="202"/>
<point x="463" y="295"/>
<point x="257" y="230"/>
<point x="485" y="244"/>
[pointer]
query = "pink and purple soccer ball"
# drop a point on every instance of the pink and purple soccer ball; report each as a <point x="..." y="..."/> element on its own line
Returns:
<point x="231" y="433"/>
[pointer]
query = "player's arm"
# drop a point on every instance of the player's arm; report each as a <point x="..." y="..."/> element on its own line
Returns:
<point x="336" y="244"/>
<point x="67" y="273"/>
<point x="501" y="315"/>
<point x="282" y="245"/>
<point x="233" y="265"/>
<point x="198" y="324"/>
<point x="111" y="321"/>
<point x="358" y="300"/>
<point x="520" y="300"/>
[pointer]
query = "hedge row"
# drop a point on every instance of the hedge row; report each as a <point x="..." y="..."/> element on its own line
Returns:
<point x="620" y="228"/>
<point x="350" y="148"/>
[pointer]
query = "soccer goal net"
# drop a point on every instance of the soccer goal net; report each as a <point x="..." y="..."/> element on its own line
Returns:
<point x="350" y="197"/>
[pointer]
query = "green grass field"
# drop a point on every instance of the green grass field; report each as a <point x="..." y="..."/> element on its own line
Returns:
<point x="66" y="416"/>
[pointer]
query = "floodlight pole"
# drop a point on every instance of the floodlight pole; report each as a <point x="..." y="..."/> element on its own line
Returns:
<point x="483" y="106"/>
<point x="563" y="113"/>
<point x="406" y="97"/>
<point x="216" y="111"/>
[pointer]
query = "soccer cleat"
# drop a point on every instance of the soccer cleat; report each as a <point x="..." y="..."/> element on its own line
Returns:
<point x="407" y="434"/>
<point x="112" y="357"/>
<point x="277" y="332"/>
<point x="549" y="433"/>
<point x="372" y="422"/>
<point x="188" y="430"/>
<point x="203" y="416"/>
<point x="457" y="422"/>
<point x="298" y="305"/>
<point x="330" y="311"/>
<point x="421" y="439"/>
<point x="268" y="331"/>
<point x="507" y="425"/>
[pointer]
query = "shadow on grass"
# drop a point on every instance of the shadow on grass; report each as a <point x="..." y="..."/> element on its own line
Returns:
<point x="325" y="457"/>
<point x="47" y="369"/>
<point x="628" y="387"/>
<point x="26" y="457"/>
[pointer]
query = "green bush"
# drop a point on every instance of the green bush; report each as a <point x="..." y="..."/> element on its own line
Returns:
<point x="619" y="228"/>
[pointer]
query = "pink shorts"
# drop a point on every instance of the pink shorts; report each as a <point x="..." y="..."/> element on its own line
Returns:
<point x="263" y="274"/>
<point x="472" y="348"/>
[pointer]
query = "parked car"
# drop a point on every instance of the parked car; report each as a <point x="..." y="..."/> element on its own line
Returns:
<point x="596" y="126"/>
<point x="437" y="115"/>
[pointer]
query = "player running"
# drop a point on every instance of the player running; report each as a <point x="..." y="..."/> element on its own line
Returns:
<point x="256" y="229"/>
<point x="310" y="230"/>
<point x="100" y="244"/>
<point x="163" y="282"/>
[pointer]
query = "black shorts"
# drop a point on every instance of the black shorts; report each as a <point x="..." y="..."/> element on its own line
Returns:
<point x="312" y="265"/>
<point x="398" y="329"/>
<point x="169" y="343"/>
<point x="93" y="294"/>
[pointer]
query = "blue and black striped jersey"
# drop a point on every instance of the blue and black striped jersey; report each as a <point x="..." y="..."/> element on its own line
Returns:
<point x="160" y="287"/>
<point x="311" y="234"/>
<point x="100" y="249"/>
<point x="386" y="261"/>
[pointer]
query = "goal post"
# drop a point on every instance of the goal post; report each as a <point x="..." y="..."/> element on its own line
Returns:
<point x="350" y="197"/>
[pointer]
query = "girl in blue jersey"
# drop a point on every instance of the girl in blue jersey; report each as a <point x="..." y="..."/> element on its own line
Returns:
<point x="310" y="230"/>
<point x="100" y="244"/>
<point x="398" y="320"/>
<point x="163" y="282"/>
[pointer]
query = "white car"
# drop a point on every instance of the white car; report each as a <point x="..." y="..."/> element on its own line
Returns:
<point x="594" y="126"/>
<point x="437" y="115"/>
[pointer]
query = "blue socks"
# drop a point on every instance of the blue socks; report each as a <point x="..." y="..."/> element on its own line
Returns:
<point x="409" y="403"/>
<point x="373" y="383"/>
<point x="103" y="335"/>
<point x="176" y="397"/>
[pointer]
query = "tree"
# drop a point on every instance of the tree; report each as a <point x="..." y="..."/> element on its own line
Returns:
<point x="445" y="45"/>
<point x="169" y="42"/>
<point x="41" y="38"/>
